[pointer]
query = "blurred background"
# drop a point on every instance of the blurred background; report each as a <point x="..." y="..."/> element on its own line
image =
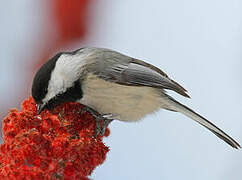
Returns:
<point x="197" y="43"/>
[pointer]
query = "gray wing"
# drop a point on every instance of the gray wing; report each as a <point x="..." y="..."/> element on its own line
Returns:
<point x="125" y="70"/>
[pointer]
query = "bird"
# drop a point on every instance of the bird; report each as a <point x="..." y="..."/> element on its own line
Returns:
<point x="112" y="86"/>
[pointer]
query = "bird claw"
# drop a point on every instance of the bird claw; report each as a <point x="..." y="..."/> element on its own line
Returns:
<point x="105" y="119"/>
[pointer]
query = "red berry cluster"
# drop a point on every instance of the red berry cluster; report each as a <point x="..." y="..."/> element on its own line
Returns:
<point x="56" y="145"/>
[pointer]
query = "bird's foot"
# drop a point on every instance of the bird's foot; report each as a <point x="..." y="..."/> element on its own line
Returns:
<point x="102" y="121"/>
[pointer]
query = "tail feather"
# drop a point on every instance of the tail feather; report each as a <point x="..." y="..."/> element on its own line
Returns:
<point x="173" y="105"/>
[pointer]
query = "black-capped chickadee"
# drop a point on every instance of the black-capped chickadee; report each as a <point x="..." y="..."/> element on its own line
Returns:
<point x="115" y="85"/>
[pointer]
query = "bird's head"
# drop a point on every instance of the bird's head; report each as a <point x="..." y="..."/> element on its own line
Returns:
<point x="58" y="80"/>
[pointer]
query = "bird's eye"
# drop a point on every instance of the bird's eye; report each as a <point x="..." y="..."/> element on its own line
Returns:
<point x="58" y="95"/>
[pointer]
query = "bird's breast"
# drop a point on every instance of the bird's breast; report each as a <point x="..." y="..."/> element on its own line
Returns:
<point x="126" y="103"/>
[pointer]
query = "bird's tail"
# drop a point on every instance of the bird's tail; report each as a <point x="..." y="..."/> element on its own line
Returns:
<point x="173" y="105"/>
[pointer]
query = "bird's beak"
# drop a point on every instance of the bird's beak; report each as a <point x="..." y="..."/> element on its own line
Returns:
<point x="40" y="108"/>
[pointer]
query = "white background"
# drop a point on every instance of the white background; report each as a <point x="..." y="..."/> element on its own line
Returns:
<point x="197" y="43"/>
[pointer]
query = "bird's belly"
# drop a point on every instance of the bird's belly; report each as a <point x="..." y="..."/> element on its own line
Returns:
<point x="126" y="103"/>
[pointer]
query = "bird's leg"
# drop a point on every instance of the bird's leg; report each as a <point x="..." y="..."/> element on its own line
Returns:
<point x="106" y="119"/>
<point x="97" y="118"/>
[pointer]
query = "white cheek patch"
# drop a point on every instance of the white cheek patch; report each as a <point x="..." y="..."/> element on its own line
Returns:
<point x="56" y="86"/>
<point x="67" y="70"/>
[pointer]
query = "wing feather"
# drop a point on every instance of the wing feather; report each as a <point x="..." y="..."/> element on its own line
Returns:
<point x="139" y="73"/>
<point x="122" y="69"/>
